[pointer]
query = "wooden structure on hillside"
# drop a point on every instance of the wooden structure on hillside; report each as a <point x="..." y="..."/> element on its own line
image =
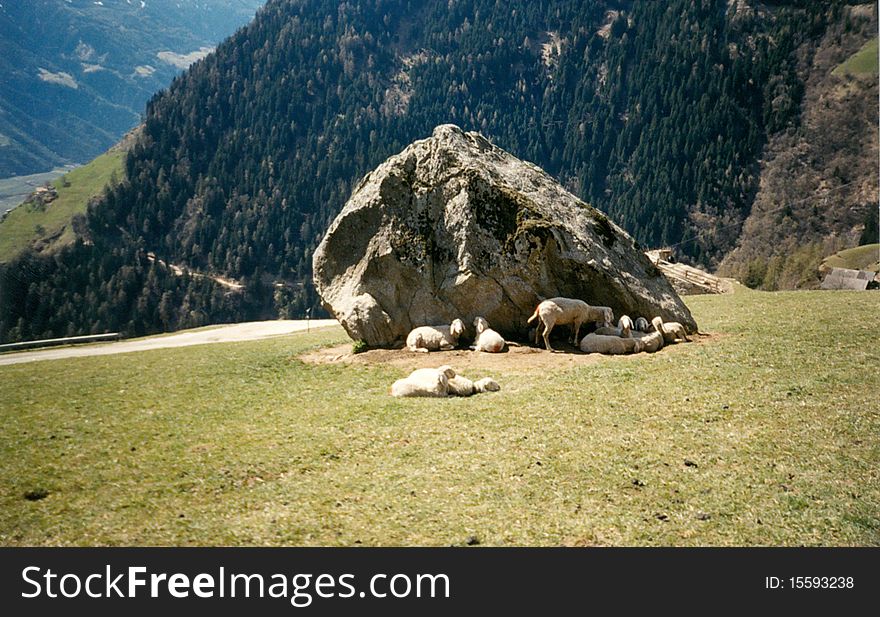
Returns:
<point x="686" y="280"/>
<point x="844" y="278"/>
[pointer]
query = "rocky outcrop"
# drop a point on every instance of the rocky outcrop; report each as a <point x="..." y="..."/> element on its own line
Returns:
<point x="455" y="227"/>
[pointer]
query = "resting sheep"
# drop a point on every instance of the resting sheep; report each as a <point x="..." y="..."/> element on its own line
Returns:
<point x="561" y="311"/>
<point x="642" y="325"/>
<point x="624" y="328"/>
<point x="462" y="386"/>
<point x="672" y="331"/>
<point x="440" y="382"/>
<point x="433" y="338"/>
<point x="599" y="343"/>
<point x="487" y="339"/>
<point x="651" y="342"/>
<point x="424" y="382"/>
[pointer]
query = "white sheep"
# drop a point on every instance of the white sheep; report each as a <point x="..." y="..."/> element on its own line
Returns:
<point x="651" y="341"/>
<point x="424" y="382"/>
<point x="433" y="338"/>
<point x="487" y="339"/>
<point x="642" y="325"/>
<point x="567" y="311"/>
<point x="440" y="382"/>
<point x="599" y="343"/>
<point x="672" y="331"/>
<point x="624" y="328"/>
<point x="462" y="386"/>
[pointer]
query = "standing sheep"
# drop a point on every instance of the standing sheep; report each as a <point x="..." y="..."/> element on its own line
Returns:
<point x="599" y="343"/>
<point x="563" y="311"/>
<point x="433" y="338"/>
<point x="487" y="339"/>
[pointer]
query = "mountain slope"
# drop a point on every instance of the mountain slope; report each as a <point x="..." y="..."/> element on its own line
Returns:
<point x="819" y="180"/>
<point x="48" y="219"/>
<point x="76" y="73"/>
<point x="656" y="113"/>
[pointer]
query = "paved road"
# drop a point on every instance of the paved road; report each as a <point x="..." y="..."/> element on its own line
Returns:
<point x="222" y="334"/>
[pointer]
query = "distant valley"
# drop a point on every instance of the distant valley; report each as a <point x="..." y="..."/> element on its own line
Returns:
<point x="77" y="74"/>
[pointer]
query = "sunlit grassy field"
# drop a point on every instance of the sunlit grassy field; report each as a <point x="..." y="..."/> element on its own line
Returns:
<point x="766" y="434"/>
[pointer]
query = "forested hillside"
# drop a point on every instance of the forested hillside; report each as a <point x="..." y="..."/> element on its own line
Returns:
<point x="819" y="179"/>
<point x="656" y="112"/>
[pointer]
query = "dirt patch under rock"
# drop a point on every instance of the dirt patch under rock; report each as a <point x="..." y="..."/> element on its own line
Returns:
<point x="517" y="359"/>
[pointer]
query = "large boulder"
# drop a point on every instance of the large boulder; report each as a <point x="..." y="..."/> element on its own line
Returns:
<point x="454" y="226"/>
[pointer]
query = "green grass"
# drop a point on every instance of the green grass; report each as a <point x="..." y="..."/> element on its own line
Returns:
<point x="766" y="435"/>
<point x="863" y="62"/>
<point x="27" y="222"/>
<point x="866" y="257"/>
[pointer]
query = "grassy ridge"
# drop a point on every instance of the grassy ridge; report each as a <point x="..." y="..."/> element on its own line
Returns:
<point x="863" y="62"/>
<point x="768" y="434"/>
<point x="27" y="223"/>
<point x="866" y="257"/>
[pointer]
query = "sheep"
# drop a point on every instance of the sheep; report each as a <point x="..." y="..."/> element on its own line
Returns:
<point x="487" y="339"/>
<point x="607" y="314"/>
<point x="672" y="331"/>
<point x="567" y="311"/>
<point x="642" y="325"/>
<point x="425" y="382"/>
<point x="486" y="384"/>
<point x="607" y="331"/>
<point x="462" y="386"/>
<point x="624" y="328"/>
<point x="432" y="338"/>
<point x="651" y="342"/>
<point x="598" y="343"/>
<point x="440" y="382"/>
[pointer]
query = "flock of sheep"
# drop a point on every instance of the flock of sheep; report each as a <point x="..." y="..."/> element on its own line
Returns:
<point x="626" y="337"/>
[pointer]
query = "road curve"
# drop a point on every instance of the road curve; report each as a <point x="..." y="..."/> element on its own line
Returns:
<point x="248" y="331"/>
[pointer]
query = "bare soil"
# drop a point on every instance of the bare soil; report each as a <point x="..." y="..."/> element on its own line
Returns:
<point x="515" y="359"/>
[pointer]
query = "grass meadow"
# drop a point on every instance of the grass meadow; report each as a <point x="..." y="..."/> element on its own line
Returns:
<point x="767" y="432"/>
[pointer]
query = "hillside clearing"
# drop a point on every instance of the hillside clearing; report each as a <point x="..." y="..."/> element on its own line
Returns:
<point x="29" y="223"/>
<point x="865" y="257"/>
<point x="765" y="435"/>
<point x="863" y="62"/>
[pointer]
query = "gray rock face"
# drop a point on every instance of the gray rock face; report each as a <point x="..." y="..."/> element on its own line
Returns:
<point x="455" y="227"/>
